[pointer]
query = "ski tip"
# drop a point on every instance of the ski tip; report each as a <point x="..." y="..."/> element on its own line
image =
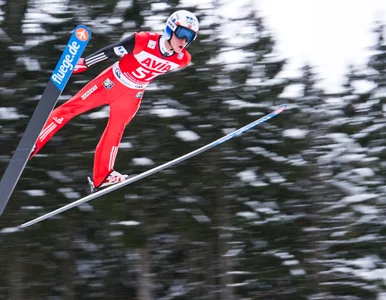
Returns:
<point x="10" y="230"/>
<point x="82" y="33"/>
<point x="280" y="109"/>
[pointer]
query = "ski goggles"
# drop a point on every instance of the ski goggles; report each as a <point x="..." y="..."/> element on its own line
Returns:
<point x="185" y="33"/>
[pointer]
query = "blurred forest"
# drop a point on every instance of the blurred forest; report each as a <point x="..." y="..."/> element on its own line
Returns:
<point x="292" y="209"/>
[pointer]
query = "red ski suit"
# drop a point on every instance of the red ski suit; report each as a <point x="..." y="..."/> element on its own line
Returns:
<point x="121" y="86"/>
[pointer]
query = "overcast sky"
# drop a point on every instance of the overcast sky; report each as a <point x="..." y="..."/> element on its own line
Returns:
<point x="329" y="34"/>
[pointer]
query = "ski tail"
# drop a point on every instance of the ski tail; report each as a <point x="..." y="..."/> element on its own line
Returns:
<point x="154" y="170"/>
<point x="50" y="96"/>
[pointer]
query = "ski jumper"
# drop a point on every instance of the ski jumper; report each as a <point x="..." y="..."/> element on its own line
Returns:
<point x="121" y="86"/>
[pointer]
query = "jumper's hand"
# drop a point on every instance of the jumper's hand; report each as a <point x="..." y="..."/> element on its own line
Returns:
<point x="80" y="66"/>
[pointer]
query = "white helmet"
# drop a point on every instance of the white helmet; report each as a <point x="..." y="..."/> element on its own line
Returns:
<point x="184" y="24"/>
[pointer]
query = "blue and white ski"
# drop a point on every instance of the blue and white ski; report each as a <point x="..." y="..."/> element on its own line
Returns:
<point x="54" y="89"/>
<point x="154" y="170"/>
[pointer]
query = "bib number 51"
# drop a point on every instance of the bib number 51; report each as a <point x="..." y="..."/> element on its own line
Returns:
<point x="142" y="73"/>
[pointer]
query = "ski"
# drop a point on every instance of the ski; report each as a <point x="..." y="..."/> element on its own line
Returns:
<point x="154" y="170"/>
<point x="58" y="80"/>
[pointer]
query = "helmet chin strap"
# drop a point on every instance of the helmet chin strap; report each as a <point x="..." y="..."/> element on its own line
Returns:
<point x="166" y="47"/>
<point x="170" y="44"/>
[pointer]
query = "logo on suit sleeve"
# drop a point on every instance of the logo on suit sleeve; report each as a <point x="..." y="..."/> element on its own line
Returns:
<point x="151" y="44"/>
<point x="120" y="51"/>
<point x="108" y="84"/>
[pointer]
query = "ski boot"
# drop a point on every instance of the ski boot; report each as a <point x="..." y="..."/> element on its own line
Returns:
<point x="113" y="178"/>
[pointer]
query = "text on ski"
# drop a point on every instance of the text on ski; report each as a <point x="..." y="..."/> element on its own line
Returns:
<point x="67" y="63"/>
